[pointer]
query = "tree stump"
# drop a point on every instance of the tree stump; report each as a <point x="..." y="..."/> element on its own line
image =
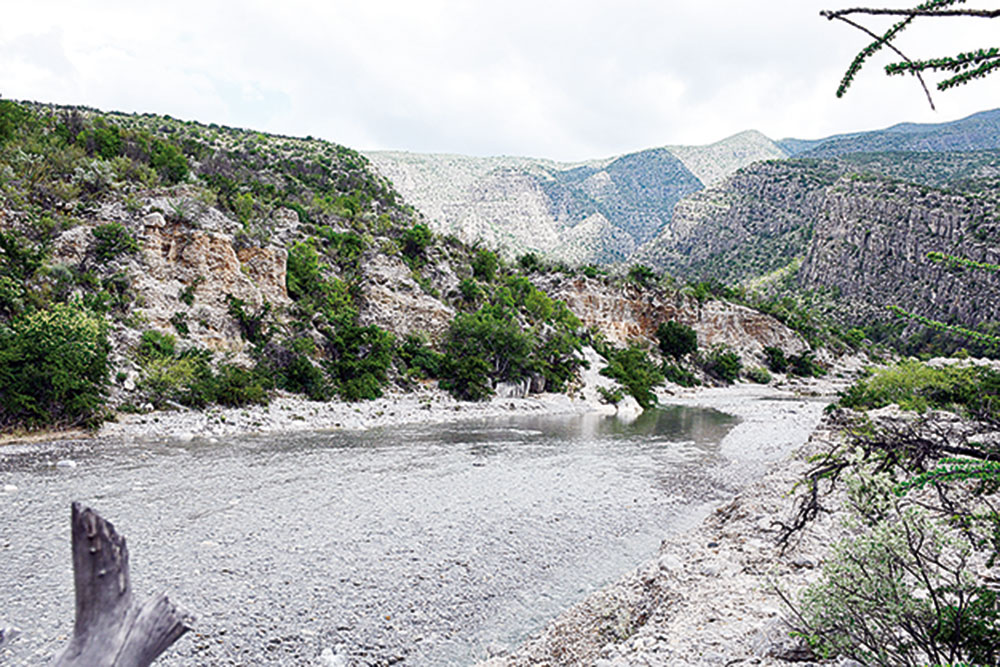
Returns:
<point x="112" y="629"/>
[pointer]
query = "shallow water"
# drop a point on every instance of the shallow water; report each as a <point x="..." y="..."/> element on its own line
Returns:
<point x="426" y="545"/>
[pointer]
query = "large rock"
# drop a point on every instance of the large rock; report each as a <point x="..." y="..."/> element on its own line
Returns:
<point x="392" y="299"/>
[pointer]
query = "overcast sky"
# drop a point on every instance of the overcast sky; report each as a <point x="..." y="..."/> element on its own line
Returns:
<point x="544" y="78"/>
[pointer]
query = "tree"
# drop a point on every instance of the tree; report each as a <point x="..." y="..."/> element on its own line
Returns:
<point x="962" y="68"/>
<point x="676" y="339"/>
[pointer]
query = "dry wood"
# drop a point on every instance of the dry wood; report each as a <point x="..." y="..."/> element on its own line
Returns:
<point x="112" y="629"/>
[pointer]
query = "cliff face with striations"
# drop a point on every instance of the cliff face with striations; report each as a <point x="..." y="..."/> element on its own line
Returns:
<point x="624" y="313"/>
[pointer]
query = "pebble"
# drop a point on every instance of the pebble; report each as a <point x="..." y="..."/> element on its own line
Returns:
<point x="9" y="488"/>
<point x="66" y="463"/>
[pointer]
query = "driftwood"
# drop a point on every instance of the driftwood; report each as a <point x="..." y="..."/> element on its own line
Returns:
<point x="112" y="629"/>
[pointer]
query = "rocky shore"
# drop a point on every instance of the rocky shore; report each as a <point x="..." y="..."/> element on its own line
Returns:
<point x="709" y="597"/>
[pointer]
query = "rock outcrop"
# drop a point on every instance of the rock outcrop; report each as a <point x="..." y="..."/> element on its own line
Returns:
<point x="623" y="314"/>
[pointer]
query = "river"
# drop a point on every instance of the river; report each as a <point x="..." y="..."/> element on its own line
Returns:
<point x="420" y="545"/>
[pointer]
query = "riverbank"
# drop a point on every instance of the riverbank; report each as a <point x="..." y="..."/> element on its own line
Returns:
<point x="708" y="597"/>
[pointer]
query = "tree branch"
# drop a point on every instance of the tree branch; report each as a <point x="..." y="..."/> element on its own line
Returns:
<point x="977" y="13"/>
<point x="927" y="92"/>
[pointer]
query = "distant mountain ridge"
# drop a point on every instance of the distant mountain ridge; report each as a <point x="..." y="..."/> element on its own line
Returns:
<point x="594" y="211"/>
<point x="604" y="211"/>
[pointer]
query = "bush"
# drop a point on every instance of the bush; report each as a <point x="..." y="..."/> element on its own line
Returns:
<point x="758" y="375"/>
<point x="470" y="290"/>
<point x="676" y="339"/>
<point x="804" y="365"/>
<point x="484" y="265"/>
<point x="776" y="359"/>
<point x="416" y="354"/>
<point x="973" y="390"/>
<point x="416" y="239"/>
<point x="301" y="376"/>
<point x="113" y="240"/>
<point x="633" y="369"/>
<point x="156" y="345"/>
<point x="236" y="387"/>
<point x="529" y="262"/>
<point x="641" y="275"/>
<point x="53" y="367"/>
<point x="484" y="347"/>
<point x="723" y="363"/>
<point x="680" y="376"/>
<point x="360" y="358"/>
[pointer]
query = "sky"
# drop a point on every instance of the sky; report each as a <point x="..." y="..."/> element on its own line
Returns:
<point x="541" y="78"/>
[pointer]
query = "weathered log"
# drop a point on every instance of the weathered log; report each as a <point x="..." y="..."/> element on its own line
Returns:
<point x="112" y="629"/>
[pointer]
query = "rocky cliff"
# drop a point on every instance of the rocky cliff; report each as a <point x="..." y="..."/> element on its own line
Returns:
<point x="595" y="211"/>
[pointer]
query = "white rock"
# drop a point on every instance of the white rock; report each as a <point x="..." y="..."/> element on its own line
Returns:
<point x="66" y="463"/>
<point x="185" y="436"/>
<point x="9" y="488"/>
<point x="330" y="659"/>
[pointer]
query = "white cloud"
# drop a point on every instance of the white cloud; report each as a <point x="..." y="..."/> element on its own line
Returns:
<point x="561" y="79"/>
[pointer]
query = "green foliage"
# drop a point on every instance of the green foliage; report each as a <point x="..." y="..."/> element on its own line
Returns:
<point x="484" y="265"/>
<point x="156" y="345"/>
<point x="12" y="117"/>
<point x="256" y="327"/>
<point x="634" y="370"/>
<point x="416" y="239"/>
<point x="236" y="387"/>
<point x="301" y="376"/>
<point x="641" y="275"/>
<point x="470" y="290"/>
<point x="303" y="270"/>
<point x="529" y="262"/>
<point x="169" y="161"/>
<point x="973" y="390"/>
<point x="776" y="359"/>
<point x="179" y="322"/>
<point x="359" y="360"/>
<point x="610" y="396"/>
<point x="417" y="356"/>
<point x="676" y="339"/>
<point x="679" y="375"/>
<point x="758" y="375"/>
<point x="53" y="367"/>
<point x="723" y="363"/>
<point x="805" y="365"/>
<point x="484" y="347"/>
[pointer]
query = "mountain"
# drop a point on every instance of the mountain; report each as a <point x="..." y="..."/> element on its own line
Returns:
<point x="977" y="132"/>
<point x="857" y="228"/>
<point x="596" y="211"/>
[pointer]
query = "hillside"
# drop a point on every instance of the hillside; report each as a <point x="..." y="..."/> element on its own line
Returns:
<point x="149" y="263"/>
<point x="979" y="131"/>
<point x="598" y="211"/>
<point x="856" y="228"/>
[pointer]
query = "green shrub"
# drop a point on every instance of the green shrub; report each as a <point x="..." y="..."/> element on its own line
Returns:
<point x="236" y="387"/>
<point x="678" y="375"/>
<point x="12" y="117"/>
<point x="416" y="239"/>
<point x="676" y="339"/>
<point x="359" y="360"/>
<point x="156" y="345"/>
<point x="301" y="376"/>
<point x="805" y="365"/>
<point x="484" y="265"/>
<point x="723" y="363"/>
<point x="484" y="347"/>
<point x="529" y="262"/>
<point x="641" y="275"/>
<point x="974" y="390"/>
<point x="53" y="367"/>
<point x="470" y="290"/>
<point x="758" y="375"/>
<point x="633" y="369"/>
<point x="416" y="354"/>
<point x="113" y="240"/>
<point x="610" y="396"/>
<point x="776" y="359"/>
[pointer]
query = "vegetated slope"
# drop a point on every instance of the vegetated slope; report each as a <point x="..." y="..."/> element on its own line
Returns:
<point x="149" y="262"/>
<point x="856" y="228"/>
<point x="976" y="132"/>
<point x="596" y="211"/>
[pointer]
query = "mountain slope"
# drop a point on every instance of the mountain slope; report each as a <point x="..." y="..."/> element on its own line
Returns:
<point x="595" y="211"/>
<point x="976" y="132"/>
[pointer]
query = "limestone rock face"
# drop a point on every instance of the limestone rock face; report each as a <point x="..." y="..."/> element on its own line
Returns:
<point x="392" y="299"/>
<point x="176" y="256"/>
<point x="624" y="314"/>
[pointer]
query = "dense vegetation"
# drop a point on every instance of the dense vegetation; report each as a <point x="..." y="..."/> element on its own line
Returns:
<point x="908" y="587"/>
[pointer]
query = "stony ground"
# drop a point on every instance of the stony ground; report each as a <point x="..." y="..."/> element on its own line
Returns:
<point x="709" y="597"/>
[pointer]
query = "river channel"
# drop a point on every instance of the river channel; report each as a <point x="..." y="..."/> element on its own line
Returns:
<point x="418" y="545"/>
